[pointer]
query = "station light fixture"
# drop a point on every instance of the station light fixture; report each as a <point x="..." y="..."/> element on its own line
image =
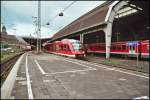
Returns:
<point x="47" y="23"/>
<point x="61" y="14"/>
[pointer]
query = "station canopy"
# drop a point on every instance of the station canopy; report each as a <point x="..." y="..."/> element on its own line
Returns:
<point x="92" y="18"/>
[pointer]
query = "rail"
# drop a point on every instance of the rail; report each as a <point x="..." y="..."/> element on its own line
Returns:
<point x="7" y="65"/>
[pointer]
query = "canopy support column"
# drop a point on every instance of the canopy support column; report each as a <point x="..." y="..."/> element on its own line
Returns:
<point x="108" y="30"/>
<point x="108" y="34"/>
<point x="82" y="38"/>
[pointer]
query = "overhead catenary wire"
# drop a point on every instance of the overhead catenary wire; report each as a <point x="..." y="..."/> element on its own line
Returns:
<point x="62" y="11"/>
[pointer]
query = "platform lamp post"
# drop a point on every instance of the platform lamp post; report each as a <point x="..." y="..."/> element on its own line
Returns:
<point x="36" y="31"/>
<point x="39" y="26"/>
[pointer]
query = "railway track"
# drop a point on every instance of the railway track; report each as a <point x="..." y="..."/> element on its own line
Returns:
<point x="7" y="65"/>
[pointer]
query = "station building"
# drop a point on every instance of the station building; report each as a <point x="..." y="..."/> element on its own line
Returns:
<point x="113" y="21"/>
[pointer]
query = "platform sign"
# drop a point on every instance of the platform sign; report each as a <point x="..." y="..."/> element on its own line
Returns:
<point x="132" y="43"/>
<point x="132" y="47"/>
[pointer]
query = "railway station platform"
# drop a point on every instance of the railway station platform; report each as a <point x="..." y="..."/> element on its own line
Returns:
<point x="48" y="76"/>
<point x="126" y="63"/>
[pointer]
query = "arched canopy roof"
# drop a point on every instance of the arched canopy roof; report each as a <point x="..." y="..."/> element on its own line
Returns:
<point x="94" y="17"/>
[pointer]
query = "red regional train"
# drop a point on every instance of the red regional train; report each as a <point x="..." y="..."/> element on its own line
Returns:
<point x="28" y="48"/>
<point x="66" y="47"/>
<point x="129" y="48"/>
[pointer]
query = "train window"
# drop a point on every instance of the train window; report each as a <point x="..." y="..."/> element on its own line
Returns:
<point x="49" y="48"/>
<point x="123" y="47"/>
<point x="147" y="47"/>
<point x="130" y="47"/>
<point x="68" y="49"/>
<point x="57" y="47"/>
<point x="118" y="47"/>
<point x="133" y="48"/>
<point x="113" y="47"/>
<point x="61" y="47"/>
<point x="65" y="47"/>
<point x="77" y="46"/>
<point x="127" y="47"/>
<point x="54" y="48"/>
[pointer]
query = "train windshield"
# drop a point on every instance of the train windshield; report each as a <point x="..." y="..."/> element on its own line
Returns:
<point x="77" y="46"/>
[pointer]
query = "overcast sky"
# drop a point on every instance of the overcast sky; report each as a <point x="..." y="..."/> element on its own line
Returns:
<point x="18" y="15"/>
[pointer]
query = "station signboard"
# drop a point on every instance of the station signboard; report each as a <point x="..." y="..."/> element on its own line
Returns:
<point x="132" y="43"/>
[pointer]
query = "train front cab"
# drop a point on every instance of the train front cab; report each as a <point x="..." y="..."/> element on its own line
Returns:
<point x="78" y="49"/>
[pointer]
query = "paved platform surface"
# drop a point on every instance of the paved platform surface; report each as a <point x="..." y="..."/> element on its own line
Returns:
<point x="49" y="76"/>
<point x="127" y="63"/>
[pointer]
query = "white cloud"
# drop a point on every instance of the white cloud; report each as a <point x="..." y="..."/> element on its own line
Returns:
<point x="24" y="29"/>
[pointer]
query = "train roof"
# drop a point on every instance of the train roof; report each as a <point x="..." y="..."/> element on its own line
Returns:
<point x="57" y="41"/>
<point x="69" y="40"/>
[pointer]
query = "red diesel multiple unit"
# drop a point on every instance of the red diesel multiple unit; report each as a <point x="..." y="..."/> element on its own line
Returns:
<point x="66" y="47"/>
<point x="129" y="48"/>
